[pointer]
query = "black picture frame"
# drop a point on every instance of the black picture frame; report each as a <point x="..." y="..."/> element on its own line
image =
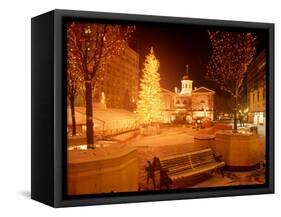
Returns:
<point x="48" y="139"/>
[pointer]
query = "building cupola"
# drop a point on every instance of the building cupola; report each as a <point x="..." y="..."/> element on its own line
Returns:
<point x="186" y="84"/>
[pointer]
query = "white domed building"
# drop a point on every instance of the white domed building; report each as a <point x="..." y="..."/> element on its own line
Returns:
<point x="186" y="104"/>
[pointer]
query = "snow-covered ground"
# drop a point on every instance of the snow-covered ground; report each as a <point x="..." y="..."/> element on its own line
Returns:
<point x="167" y="137"/>
<point x="106" y="120"/>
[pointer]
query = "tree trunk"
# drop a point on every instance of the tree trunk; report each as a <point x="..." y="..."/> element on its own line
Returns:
<point x="235" y="115"/>
<point x="89" y="114"/>
<point x="71" y="99"/>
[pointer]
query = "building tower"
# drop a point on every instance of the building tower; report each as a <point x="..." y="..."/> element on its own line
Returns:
<point x="186" y="84"/>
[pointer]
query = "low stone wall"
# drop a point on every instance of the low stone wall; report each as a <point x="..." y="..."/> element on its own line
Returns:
<point x="238" y="151"/>
<point x="102" y="171"/>
<point x="150" y="130"/>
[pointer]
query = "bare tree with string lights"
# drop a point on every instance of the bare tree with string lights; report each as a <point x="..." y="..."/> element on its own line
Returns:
<point x="232" y="52"/>
<point x="74" y="85"/>
<point x="92" y="45"/>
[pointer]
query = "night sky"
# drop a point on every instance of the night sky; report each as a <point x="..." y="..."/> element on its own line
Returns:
<point x="175" y="47"/>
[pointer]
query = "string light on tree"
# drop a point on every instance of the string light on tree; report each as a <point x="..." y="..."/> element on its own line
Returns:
<point x="92" y="45"/>
<point x="74" y="85"/>
<point x="149" y="103"/>
<point x="232" y="53"/>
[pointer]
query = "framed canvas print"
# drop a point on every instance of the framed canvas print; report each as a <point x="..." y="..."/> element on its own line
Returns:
<point x="133" y="108"/>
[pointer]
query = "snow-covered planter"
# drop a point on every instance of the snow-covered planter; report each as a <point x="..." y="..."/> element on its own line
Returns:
<point x="103" y="170"/>
<point x="204" y="140"/>
<point x="239" y="151"/>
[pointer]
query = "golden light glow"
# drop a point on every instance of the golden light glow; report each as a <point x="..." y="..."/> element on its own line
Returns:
<point x="149" y="103"/>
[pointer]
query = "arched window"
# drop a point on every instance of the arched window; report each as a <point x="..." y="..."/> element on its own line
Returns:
<point x="184" y="102"/>
<point x="177" y="102"/>
<point x="202" y="102"/>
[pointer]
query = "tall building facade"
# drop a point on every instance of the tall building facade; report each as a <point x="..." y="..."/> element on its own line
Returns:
<point x="256" y="89"/>
<point x="118" y="87"/>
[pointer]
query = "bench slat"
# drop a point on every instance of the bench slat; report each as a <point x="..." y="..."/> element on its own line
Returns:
<point x="194" y="172"/>
<point x="190" y="164"/>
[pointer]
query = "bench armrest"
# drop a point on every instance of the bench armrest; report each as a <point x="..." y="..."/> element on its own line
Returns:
<point x="218" y="158"/>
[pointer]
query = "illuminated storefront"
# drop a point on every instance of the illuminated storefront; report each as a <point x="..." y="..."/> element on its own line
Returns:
<point x="256" y="90"/>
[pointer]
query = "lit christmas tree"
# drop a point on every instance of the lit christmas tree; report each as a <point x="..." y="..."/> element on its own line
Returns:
<point x="149" y="103"/>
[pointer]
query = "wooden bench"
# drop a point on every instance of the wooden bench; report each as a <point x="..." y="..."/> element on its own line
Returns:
<point x="186" y="165"/>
